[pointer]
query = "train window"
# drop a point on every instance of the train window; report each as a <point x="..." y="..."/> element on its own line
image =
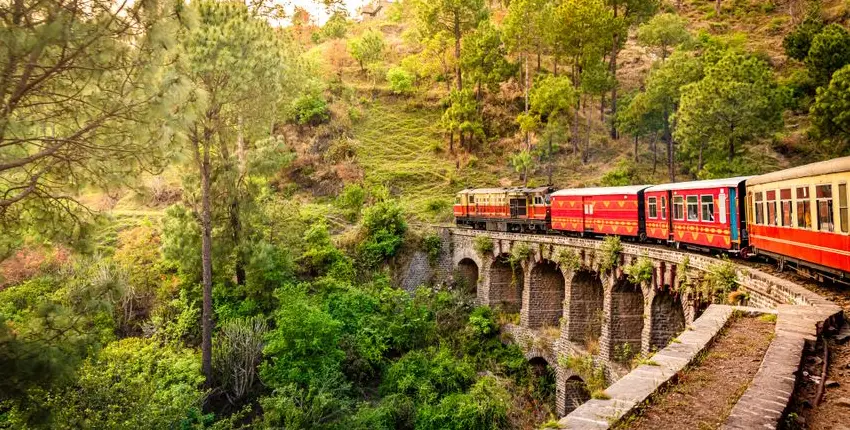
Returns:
<point x="759" y="208"/>
<point x="824" y="199"/>
<point x="663" y="207"/>
<point x="678" y="208"/>
<point x="472" y="199"/>
<point x="693" y="208"/>
<point x="538" y="200"/>
<point x="653" y="207"/>
<point x="707" y="205"/>
<point x="804" y="208"/>
<point x="842" y="207"/>
<point x="771" y="207"/>
<point x="786" y="207"/>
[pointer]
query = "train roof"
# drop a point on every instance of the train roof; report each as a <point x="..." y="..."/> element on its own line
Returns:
<point x="837" y="165"/>
<point x="600" y="191"/>
<point x="505" y="190"/>
<point x="698" y="185"/>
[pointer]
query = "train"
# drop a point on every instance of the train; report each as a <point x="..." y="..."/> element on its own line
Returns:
<point x="796" y="217"/>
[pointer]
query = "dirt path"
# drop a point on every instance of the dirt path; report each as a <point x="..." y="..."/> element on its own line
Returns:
<point x="704" y="395"/>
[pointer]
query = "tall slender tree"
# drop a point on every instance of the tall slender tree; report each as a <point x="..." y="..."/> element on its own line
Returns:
<point x="455" y="17"/>
<point x="233" y="63"/>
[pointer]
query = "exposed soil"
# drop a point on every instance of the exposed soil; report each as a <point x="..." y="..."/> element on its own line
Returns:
<point x="704" y="395"/>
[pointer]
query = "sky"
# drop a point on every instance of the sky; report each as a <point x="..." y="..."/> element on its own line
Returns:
<point x="317" y="9"/>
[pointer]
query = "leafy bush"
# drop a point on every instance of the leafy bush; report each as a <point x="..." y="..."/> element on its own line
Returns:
<point x="482" y="322"/>
<point x="351" y="200"/>
<point x="433" y="246"/>
<point x="611" y="249"/>
<point x="294" y="407"/>
<point x="640" y="271"/>
<point x="133" y="383"/>
<point x="428" y="375"/>
<point x="401" y="81"/>
<point x="829" y="52"/>
<point x="831" y="110"/>
<point x="237" y="351"/>
<point x="799" y="40"/>
<point x="384" y="226"/>
<point x="304" y="344"/>
<point x="625" y="173"/>
<point x="721" y="279"/>
<point x="483" y="245"/>
<point x="310" y="109"/>
<point x="485" y="407"/>
<point x="568" y="260"/>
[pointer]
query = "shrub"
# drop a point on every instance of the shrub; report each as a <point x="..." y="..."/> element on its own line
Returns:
<point x="433" y="246"/>
<point x="611" y="249"/>
<point x="583" y="365"/>
<point x="568" y="260"/>
<point x="484" y="407"/>
<point x="829" y="52"/>
<point x="722" y="279"/>
<point x="401" y="81"/>
<point x="384" y="226"/>
<point x="133" y="383"/>
<point x="428" y="375"/>
<point x="799" y="40"/>
<point x="310" y="109"/>
<point x="625" y="173"/>
<point x="294" y="407"/>
<point x="482" y="322"/>
<point x="304" y="344"/>
<point x="483" y="245"/>
<point x="351" y="200"/>
<point x="237" y="351"/>
<point x="640" y="271"/>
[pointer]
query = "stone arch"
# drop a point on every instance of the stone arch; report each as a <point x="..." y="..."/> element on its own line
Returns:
<point x="626" y="321"/>
<point x="506" y="283"/>
<point x="545" y="295"/>
<point x="467" y="271"/>
<point x="668" y="319"/>
<point x="584" y="307"/>
<point x="576" y="393"/>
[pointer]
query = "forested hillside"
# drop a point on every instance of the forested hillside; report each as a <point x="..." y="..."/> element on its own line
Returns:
<point x="203" y="203"/>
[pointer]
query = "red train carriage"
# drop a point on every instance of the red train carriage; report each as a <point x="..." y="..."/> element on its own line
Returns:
<point x="702" y="214"/>
<point x="800" y="215"/>
<point x="606" y="210"/>
<point x="503" y="209"/>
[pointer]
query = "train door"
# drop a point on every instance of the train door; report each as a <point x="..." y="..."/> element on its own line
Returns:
<point x="587" y="212"/>
<point x="519" y="207"/>
<point x="733" y="213"/>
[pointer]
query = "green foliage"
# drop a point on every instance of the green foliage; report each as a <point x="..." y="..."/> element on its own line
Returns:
<point x="367" y="49"/>
<point x="384" y="227"/>
<point x="351" y="200"/>
<point x="304" y="345"/>
<point x="522" y="162"/>
<point x="321" y="257"/>
<point x="291" y="407"/>
<point x="519" y="252"/>
<point x="484" y="407"/>
<point x="462" y="114"/>
<point x="583" y="365"/>
<point x="427" y="375"/>
<point x="483" y="245"/>
<point x="720" y="280"/>
<point x="829" y="52"/>
<point x="552" y="96"/>
<point x="135" y="383"/>
<point x="433" y="246"/>
<point x="831" y="109"/>
<point x="482" y="323"/>
<point x="624" y="173"/>
<point x="610" y="253"/>
<point x="798" y="42"/>
<point x="664" y="31"/>
<point x="310" y="109"/>
<point x="737" y="101"/>
<point x="401" y="81"/>
<point x="336" y="26"/>
<point x="237" y="351"/>
<point x="640" y="272"/>
<point x="568" y="260"/>
<point x="484" y="57"/>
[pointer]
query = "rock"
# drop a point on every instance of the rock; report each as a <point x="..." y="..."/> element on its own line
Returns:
<point x="842" y="401"/>
<point x="831" y="384"/>
<point x="800" y="421"/>
<point x="843" y="334"/>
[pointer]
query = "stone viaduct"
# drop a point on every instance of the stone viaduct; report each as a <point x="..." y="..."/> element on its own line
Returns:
<point x="572" y="303"/>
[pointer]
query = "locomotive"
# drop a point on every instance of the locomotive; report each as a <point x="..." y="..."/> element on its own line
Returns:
<point x="797" y="216"/>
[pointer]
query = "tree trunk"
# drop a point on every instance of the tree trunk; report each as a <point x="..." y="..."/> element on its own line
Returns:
<point x="717" y="7"/>
<point x="575" y="134"/>
<point x="654" y="152"/>
<point x="668" y="136"/>
<point x="551" y="159"/>
<point x="235" y="223"/>
<point x="457" y="55"/>
<point x="602" y="109"/>
<point x="615" y="50"/>
<point x="699" y="162"/>
<point x="527" y="86"/>
<point x="586" y="153"/>
<point x="203" y="162"/>
<point x="451" y="142"/>
<point x="636" y="148"/>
